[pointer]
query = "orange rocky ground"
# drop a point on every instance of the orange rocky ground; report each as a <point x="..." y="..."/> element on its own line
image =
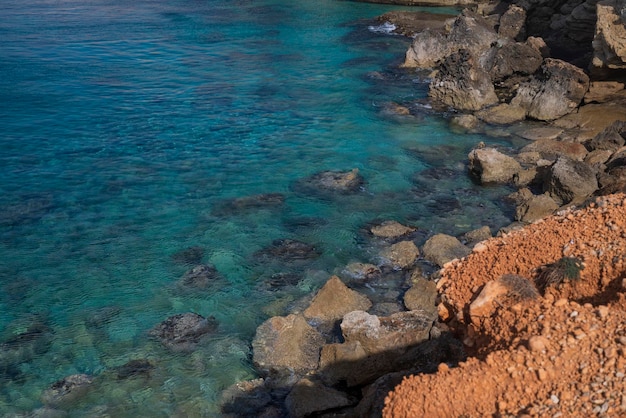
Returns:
<point x="560" y="354"/>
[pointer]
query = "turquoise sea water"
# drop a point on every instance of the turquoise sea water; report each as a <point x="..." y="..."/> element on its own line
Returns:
<point x="125" y="129"/>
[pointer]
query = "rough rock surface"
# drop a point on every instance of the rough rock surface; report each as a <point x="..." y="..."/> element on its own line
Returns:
<point x="308" y="397"/>
<point x="563" y="353"/>
<point x="571" y="181"/>
<point x="401" y="255"/>
<point x="334" y="300"/>
<point x="442" y="248"/>
<point x="609" y="44"/>
<point x="286" y="344"/>
<point x="491" y="166"/>
<point x="556" y="90"/>
<point x="67" y="390"/>
<point x="391" y="230"/>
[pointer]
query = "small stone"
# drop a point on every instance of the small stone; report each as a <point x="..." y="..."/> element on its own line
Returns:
<point x="603" y="311"/>
<point x="542" y="375"/>
<point x="560" y="302"/>
<point x="537" y="343"/>
<point x="554" y="399"/>
<point x="442" y="368"/>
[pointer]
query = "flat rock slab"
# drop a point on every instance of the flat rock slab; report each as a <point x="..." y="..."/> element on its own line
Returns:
<point x="534" y="134"/>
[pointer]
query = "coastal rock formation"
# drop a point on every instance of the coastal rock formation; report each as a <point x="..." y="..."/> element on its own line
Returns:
<point x="391" y="230"/>
<point x="556" y="90"/>
<point x="183" y="332"/>
<point x="609" y="43"/>
<point x="401" y="255"/>
<point x="309" y="397"/>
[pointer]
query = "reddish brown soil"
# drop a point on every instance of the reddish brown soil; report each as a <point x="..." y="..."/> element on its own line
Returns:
<point x="562" y="354"/>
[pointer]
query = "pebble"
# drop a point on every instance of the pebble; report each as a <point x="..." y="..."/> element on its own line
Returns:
<point x="603" y="311"/>
<point x="537" y="343"/>
<point x="560" y="302"/>
<point x="554" y="399"/>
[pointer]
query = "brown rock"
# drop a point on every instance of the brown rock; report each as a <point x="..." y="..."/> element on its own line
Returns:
<point x="535" y="208"/>
<point x="502" y="114"/>
<point x="571" y="181"/>
<point x="309" y="397"/>
<point x="391" y="229"/>
<point x="551" y="149"/>
<point x="536" y="134"/>
<point x="442" y="248"/>
<point x="334" y="300"/>
<point x="401" y="255"/>
<point x="421" y="295"/>
<point x="286" y="343"/>
<point x="603" y="91"/>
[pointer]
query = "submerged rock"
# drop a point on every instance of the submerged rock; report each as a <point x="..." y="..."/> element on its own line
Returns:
<point x="135" y="368"/>
<point x="248" y="203"/>
<point x="289" y="250"/>
<point x="67" y="390"/>
<point x="190" y="255"/>
<point x="401" y="255"/>
<point x="200" y="277"/>
<point x="24" y="346"/>
<point x="442" y="248"/>
<point x="333" y="182"/>
<point x="183" y="332"/>
<point x="391" y="230"/>
<point x="309" y="397"/>
<point x="246" y="399"/>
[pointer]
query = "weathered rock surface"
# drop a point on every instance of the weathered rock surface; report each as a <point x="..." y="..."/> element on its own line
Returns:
<point x="245" y="398"/>
<point x="401" y="255"/>
<point x="286" y="345"/>
<point x="462" y="84"/>
<point x="550" y="149"/>
<point x="183" y="332"/>
<point x="361" y="272"/>
<point x="535" y="208"/>
<point x="611" y="138"/>
<point x="309" y="397"/>
<point x="421" y="295"/>
<point x="502" y="114"/>
<point x="442" y="248"/>
<point x="491" y="166"/>
<point x="556" y="90"/>
<point x="571" y="181"/>
<point x="410" y="23"/>
<point x="334" y="300"/>
<point x="609" y="43"/>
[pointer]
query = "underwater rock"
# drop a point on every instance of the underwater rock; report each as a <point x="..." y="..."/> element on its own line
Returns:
<point x="281" y="280"/>
<point x="401" y="255"/>
<point x="246" y="399"/>
<point x="391" y="230"/>
<point x="361" y="272"/>
<point x="102" y="316"/>
<point x="135" y="368"/>
<point x="248" y="203"/>
<point x="333" y="182"/>
<point x="183" y="332"/>
<point x="191" y="256"/>
<point x="289" y="250"/>
<point x="200" y="277"/>
<point x="25" y="346"/>
<point x="67" y="390"/>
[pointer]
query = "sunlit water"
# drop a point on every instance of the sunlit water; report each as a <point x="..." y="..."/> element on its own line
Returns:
<point x="126" y="126"/>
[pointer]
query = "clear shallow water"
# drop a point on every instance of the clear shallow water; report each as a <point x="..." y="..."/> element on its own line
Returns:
<point x="125" y="126"/>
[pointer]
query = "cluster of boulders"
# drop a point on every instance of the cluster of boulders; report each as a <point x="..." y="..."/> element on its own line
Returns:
<point x="552" y="174"/>
<point x="354" y="340"/>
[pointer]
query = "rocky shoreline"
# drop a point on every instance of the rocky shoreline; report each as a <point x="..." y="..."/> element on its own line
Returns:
<point x="493" y="70"/>
<point x="342" y="351"/>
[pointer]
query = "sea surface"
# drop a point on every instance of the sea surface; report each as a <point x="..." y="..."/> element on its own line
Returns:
<point x="127" y="128"/>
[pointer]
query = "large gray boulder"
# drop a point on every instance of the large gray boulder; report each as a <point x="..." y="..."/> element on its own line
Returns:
<point x="570" y="181"/>
<point x="554" y="91"/>
<point x="286" y="345"/>
<point x="491" y="166"/>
